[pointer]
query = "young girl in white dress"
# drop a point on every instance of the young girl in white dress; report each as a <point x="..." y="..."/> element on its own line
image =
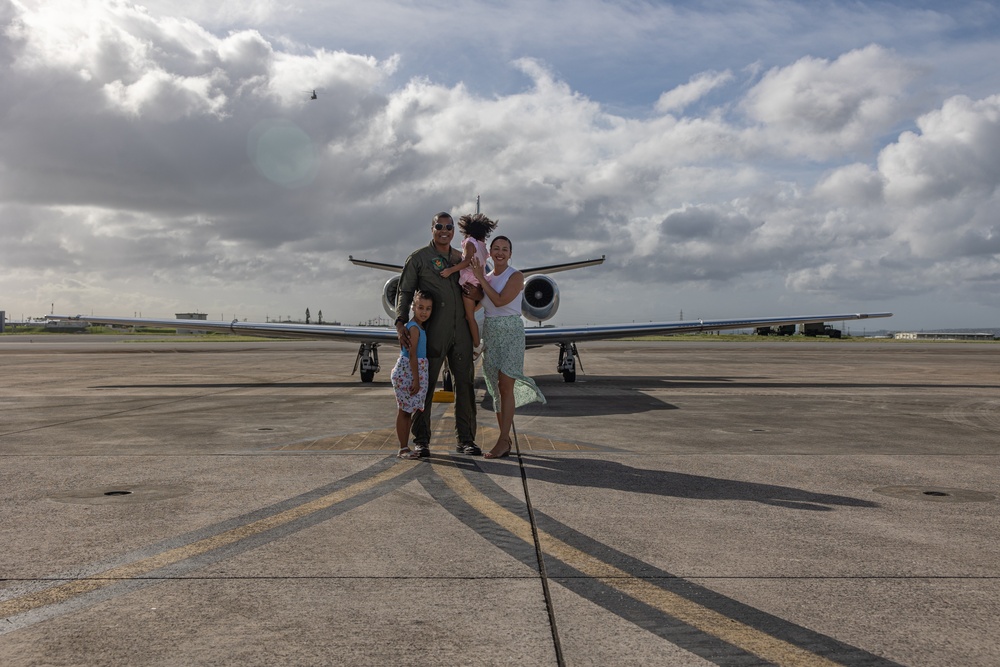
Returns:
<point x="410" y="374"/>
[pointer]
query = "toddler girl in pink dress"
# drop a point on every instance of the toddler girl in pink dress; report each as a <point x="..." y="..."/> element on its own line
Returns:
<point x="476" y="228"/>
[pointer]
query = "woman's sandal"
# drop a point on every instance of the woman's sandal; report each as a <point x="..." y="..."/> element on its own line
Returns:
<point x="491" y="455"/>
<point x="407" y="454"/>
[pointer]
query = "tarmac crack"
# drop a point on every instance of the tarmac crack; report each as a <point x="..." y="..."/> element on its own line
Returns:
<point x="549" y="606"/>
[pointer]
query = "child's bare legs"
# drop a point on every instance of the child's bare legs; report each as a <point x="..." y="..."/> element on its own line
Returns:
<point x="403" y="420"/>
<point x="505" y="417"/>
<point x="470" y="317"/>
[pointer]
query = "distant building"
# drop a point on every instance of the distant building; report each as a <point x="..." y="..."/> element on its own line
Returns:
<point x="67" y="326"/>
<point x="941" y="335"/>
<point x="191" y="316"/>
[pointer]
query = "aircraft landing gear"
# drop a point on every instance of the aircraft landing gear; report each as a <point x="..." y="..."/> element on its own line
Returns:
<point x="568" y="359"/>
<point x="367" y="359"/>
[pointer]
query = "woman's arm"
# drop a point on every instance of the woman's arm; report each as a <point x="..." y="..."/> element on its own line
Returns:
<point x="514" y="286"/>
<point x="510" y="291"/>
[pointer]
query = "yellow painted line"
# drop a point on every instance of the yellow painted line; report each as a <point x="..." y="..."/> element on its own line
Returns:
<point x="707" y="620"/>
<point x="442" y="430"/>
<point x="71" y="589"/>
<point x="380" y="439"/>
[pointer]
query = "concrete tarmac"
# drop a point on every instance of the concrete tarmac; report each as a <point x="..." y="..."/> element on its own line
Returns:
<point x="683" y="503"/>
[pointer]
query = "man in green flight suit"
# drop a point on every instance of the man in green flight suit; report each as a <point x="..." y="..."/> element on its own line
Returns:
<point x="448" y="334"/>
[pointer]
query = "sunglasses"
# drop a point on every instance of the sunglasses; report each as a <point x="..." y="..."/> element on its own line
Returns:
<point x="439" y="227"/>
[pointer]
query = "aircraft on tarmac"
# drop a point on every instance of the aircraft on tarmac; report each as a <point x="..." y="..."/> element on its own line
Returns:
<point x="539" y="303"/>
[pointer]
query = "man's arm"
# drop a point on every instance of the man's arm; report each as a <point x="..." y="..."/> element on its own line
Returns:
<point x="408" y="282"/>
<point x="407" y="285"/>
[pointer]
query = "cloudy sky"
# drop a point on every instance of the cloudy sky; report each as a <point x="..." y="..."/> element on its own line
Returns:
<point x="729" y="159"/>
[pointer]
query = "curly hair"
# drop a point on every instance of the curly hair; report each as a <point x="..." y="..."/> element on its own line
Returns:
<point x="477" y="225"/>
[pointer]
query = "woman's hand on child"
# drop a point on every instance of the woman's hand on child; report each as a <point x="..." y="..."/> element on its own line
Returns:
<point x="477" y="269"/>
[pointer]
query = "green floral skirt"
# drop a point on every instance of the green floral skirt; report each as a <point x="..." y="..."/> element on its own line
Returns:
<point x="503" y="342"/>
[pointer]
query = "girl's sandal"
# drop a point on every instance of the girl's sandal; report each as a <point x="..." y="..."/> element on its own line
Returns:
<point x="407" y="454"/>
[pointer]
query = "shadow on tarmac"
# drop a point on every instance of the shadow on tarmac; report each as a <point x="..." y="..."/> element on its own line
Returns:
<point x="641" y="381"/>
<point x="239" y="385"/>
<point x="620" y="477"/>
<point x="628" y="402"/>
<point x="751" y="382"/>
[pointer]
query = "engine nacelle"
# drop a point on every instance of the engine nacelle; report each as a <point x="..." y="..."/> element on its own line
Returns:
<point x="389" y="293"/>
<point x="539" y="302"/>
<point x="540" y="299"/>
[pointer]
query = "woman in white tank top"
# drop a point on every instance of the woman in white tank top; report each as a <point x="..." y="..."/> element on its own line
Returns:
<point x="503" y="342"/>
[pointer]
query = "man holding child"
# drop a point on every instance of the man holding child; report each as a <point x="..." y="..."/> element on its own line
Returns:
<point x="448" y="334"/>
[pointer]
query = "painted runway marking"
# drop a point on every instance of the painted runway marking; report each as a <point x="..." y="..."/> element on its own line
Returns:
<point x="731" y="641"/>
<point x="385" y="439"/>
<point x="706" y="620"/>
<point x="75" y="588"/>
<point x="689" y="616"/>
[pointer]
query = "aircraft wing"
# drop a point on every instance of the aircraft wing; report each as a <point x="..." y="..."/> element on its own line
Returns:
<point x="534" y="335"/>
<point x="542" y="335"/>
<point x="267" y="329"/>
<point x="371" y="337"/>
<point x="552" y="268"/>
<point x="382" y="266"/>
<point x="555" y="268"/>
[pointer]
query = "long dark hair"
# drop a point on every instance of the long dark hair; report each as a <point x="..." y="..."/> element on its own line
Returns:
<point x="477" y="225"/>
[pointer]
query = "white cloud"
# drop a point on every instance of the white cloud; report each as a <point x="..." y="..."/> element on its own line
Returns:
<point x="819" y="108"/>
<point x="925" y="219"/>
<point x="692" y="91"/>
<point x="945" y="183"/>
<point x="956" y="151"/>
<point x="852" y="185"/>
<point x="191" y="166"/>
